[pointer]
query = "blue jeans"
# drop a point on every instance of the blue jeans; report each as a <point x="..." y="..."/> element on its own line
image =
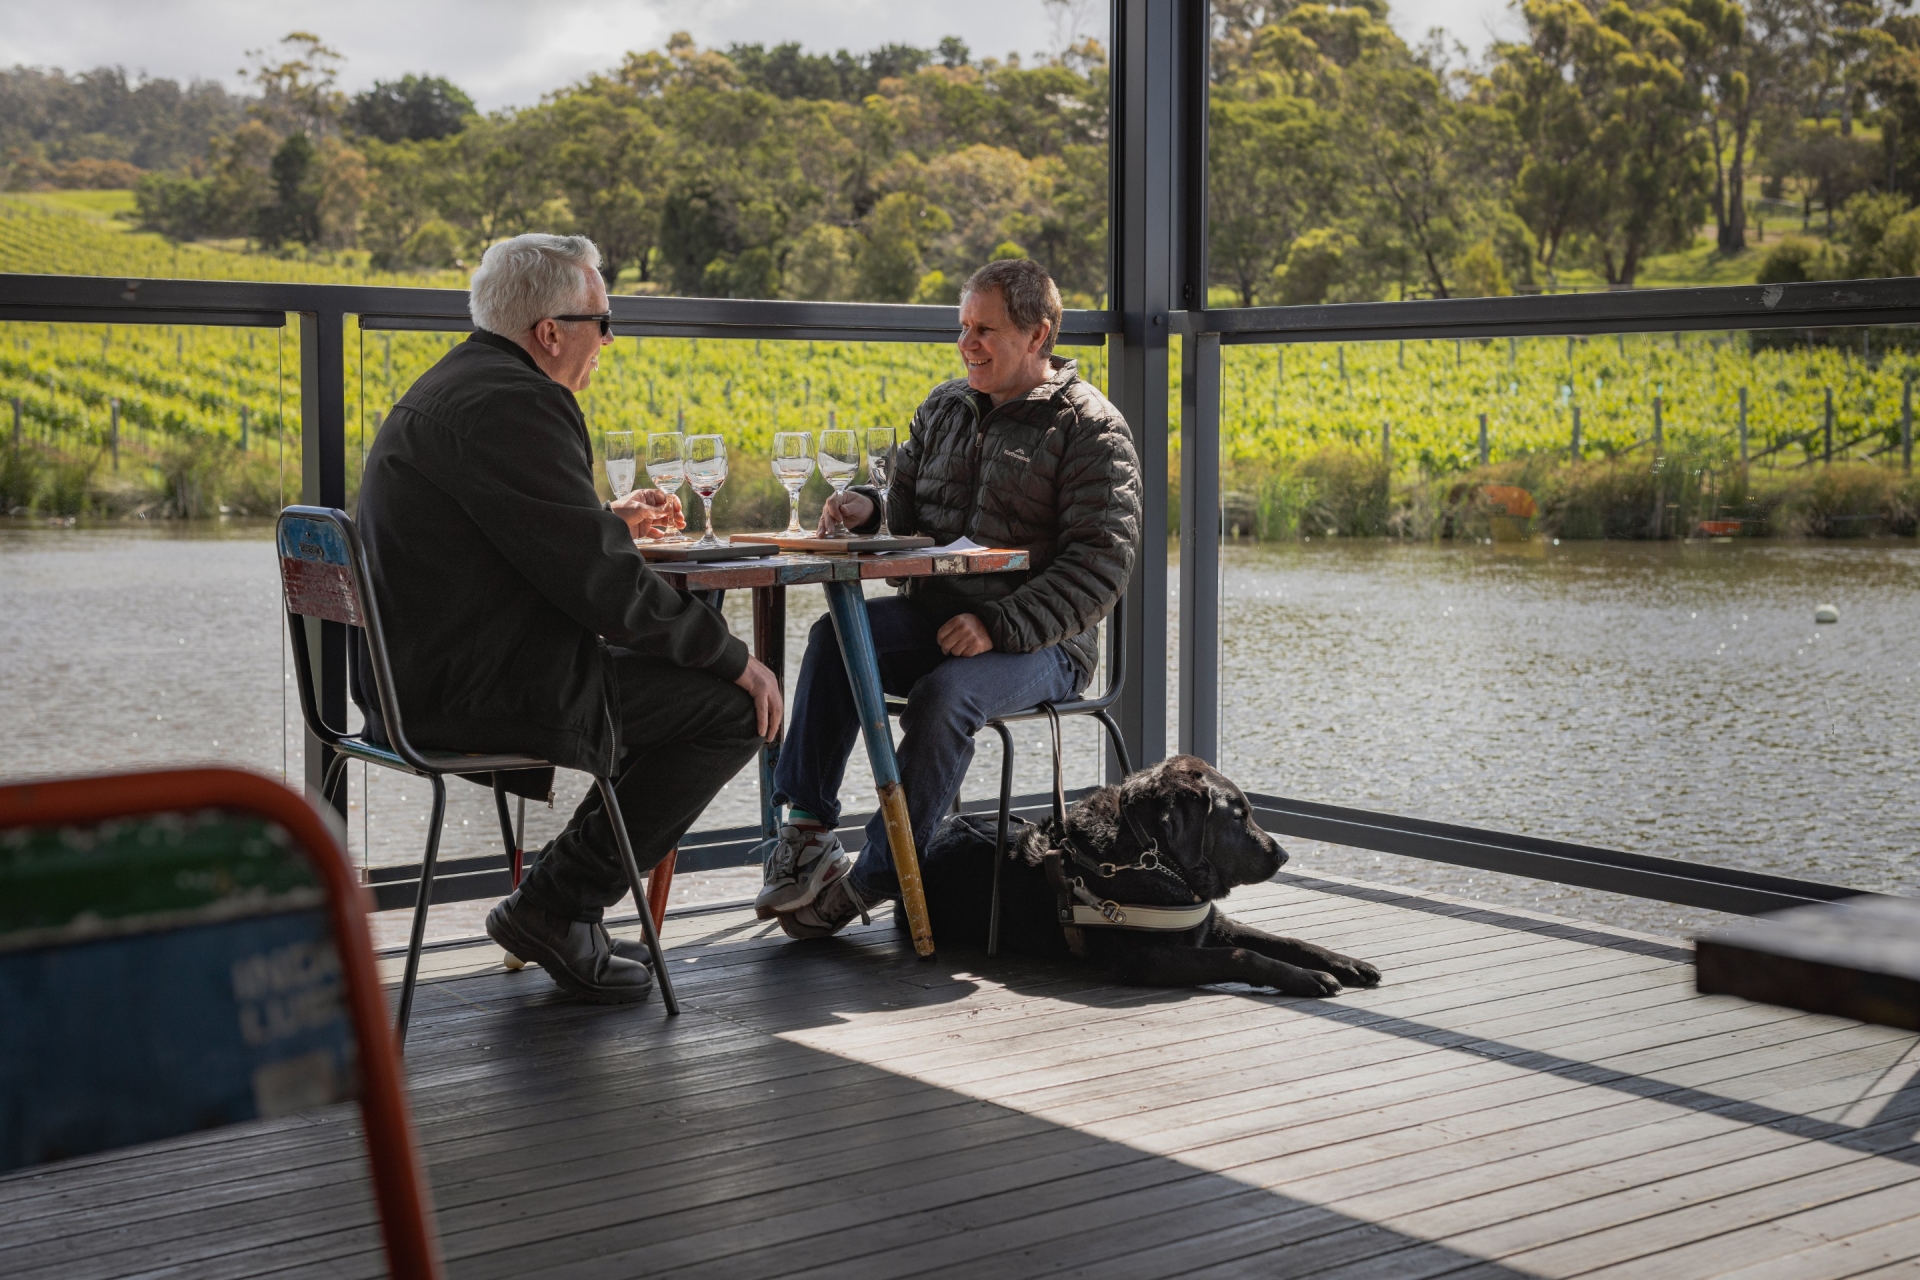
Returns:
<point x="948" y="701"/>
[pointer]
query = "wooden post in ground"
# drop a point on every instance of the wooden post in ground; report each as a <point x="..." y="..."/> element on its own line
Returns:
<point x="16" y="424"/>
<point x="1386" y="446"/>
<point x="1827" y="453"/>
<point x="1743" y="426"/>
<point x="1907" y="423"/>
<point x="113" y="433"/>
<point x="1483" y="439"/>
<point x="1659" y="442"/>
<point x="243" y="428"/>
<point x="1576" y="429"/>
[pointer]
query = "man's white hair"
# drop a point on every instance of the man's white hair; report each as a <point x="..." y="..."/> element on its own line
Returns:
<point x="530" y="278"/>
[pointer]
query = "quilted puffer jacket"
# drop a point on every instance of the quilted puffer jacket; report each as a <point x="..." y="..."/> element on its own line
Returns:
<point x="1054" y="472"/>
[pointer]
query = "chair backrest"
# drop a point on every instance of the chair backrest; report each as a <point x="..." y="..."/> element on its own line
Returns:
<point x="324" y="575"/>
<point x="185" y="950"/>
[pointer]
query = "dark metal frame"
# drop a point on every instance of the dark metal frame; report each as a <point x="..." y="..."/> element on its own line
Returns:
<point x="401" y="755"/>
<point x="1158" y="287"/>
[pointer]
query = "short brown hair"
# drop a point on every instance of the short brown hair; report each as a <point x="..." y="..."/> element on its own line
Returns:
<point x="1027" y="290"/>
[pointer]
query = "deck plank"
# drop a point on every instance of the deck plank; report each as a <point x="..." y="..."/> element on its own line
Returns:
<point x="1525" y="1095"/>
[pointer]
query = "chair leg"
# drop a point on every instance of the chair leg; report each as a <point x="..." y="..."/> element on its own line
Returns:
<point x="506" y="830"/>
<point x="1000" y="835"/>
<point x="639" y="885"/>
<point x="1119" y="743"/>
<point x="420" y="903"/>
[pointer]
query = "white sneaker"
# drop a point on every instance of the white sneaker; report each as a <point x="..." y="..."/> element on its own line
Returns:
<point x="802" y="862"/>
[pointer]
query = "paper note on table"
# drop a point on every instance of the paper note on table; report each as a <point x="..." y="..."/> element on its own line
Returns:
<point x="962" y="543"/>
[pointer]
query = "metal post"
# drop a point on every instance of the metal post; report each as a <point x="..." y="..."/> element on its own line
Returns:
<point x="1743" y="426"/>
<point x="113" y="432"/>
<point x="16" y="423"/>
<point x="1199" y="733"/>
<point x="1386" y="446"/>
<point x="1659" y="430"/>
<point x="1907" y="423"/>
<point x="1483" y="439"/>
<point x="323" y="483"/>
<point x="1576" y="433"/>
<point x="243" y="428"/>
<point x="1146" y="209"/>
<point x="1827" y="453"/>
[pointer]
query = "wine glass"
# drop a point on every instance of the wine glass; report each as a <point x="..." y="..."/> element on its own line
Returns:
<point x="706" y="472"/>
<point x="839" y="462"/>
<point x="667" y="461"/>
<point x="620" y="463"/>
<point x="792" y="464"/>
<point x="880" y="446"/>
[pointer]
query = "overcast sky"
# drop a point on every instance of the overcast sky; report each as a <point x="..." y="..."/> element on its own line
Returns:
<point x="510" y="52"/>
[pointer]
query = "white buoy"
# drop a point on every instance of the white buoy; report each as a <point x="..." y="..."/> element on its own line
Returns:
<point x="1826" y="613"/>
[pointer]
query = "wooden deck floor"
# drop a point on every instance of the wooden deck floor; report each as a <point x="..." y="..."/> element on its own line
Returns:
<point x="1524" y="1097"/>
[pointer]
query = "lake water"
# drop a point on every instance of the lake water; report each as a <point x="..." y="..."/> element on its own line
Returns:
<point x="1673" y="699"/>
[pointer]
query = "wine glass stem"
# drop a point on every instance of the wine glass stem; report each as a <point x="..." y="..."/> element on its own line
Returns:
<point x="706" y="500"/>
<point x="793" y="512"/>
<point x="882" y="531"/>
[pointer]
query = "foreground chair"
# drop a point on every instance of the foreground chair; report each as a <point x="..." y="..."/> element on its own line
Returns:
<point x="188" y="949"/>
<point x="1100" y="708"/>
<point x="324" y="575"/>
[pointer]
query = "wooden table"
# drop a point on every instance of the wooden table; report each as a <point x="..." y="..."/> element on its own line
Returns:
<point x="769" y="579"/>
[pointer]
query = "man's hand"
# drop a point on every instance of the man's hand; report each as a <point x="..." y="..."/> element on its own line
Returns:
<point x="768" y="709"/>
<point x="964" y="636"/>
<point x="853" y="508"/>
<point x="649" y="513"/>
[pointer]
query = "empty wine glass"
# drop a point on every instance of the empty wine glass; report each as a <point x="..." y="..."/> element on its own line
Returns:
<point x="880" y="447"/>
<point x="839" y="463"/>
<point x="792" y="464"/>
<point x="667" y="461"/>
<point x="620" y="463"/>
<point x="706" y="472"/>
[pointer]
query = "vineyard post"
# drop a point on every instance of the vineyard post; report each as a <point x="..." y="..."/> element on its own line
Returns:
<point x="1907" y="421"/>
<point x="243" y="428"/>
<point x="1386" y="446"/>
<point x="1743" y="426"/>
<point x="1659" y="432"/>
<point x="1483" y="439"/>
<point x="1826" y="457"/>
<point x="1576" y="433"/>
<point x="1659" y="511"/>
<point x="113" y="432"/>
<point x="1513" y="351"/>
<point x="16" y="424"/>
<point x="1403" y="353"/>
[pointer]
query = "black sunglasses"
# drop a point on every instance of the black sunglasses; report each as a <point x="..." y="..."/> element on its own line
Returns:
<point x="605" y="318"/>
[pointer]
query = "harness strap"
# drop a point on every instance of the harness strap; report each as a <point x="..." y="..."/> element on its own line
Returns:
<point x="1118" y="915"/>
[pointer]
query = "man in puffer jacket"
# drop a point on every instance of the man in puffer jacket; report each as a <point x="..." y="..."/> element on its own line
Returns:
<point x="1019" y="453"/>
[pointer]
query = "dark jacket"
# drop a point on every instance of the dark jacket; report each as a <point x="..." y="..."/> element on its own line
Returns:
<point x="498" y="572"/>
<point x="1054" y="472"/>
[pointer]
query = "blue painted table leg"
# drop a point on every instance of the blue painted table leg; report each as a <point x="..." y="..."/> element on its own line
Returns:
<point x="848" y="607"/>
<point x="770" y="646"/>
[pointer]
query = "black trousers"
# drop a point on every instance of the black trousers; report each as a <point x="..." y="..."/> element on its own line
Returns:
<point x="683" y="734"/>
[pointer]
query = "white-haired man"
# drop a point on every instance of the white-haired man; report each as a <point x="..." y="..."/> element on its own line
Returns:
<point x="519" y="612"/>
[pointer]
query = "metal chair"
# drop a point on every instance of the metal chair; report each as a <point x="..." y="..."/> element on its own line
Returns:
<point x="1100" y="708"/>
<point x="324" y="574"/>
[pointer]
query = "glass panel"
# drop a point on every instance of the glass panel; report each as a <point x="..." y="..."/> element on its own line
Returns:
<point x="1422" y="617"/>
<point x="1356" y="156"/>
<point x="803" y="151"/>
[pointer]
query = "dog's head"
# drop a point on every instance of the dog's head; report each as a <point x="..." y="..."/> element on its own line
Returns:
<point x="1192" y="814"/>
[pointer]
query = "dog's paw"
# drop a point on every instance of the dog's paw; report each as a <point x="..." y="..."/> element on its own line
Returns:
<point x="1312" y="983"/>
<point x="1353" y="973"/>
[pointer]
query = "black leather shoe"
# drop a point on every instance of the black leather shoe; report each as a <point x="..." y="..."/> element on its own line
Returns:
<point x="574" y="953"/>
<point x="634" y="949"/>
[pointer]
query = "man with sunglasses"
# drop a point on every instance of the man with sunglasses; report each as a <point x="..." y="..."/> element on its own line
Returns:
<point x="522" y="619"/>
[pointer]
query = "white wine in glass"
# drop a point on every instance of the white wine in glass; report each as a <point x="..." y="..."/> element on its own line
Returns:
<point x="667" y="461"/>
<point x="620" y="463"/>
<point x="792" y="464"/>
<point x="706" y="472"/>
<point x="839" y="463"/>
<point x="880" y="449"/>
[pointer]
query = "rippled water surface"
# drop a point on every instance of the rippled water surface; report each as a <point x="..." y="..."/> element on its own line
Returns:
<point x="1676" y="700"/>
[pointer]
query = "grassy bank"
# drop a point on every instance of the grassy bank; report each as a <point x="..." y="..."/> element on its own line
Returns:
<point x="1346" y="492"/>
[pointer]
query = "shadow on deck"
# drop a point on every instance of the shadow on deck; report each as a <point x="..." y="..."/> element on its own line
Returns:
<point x="1525" y="1096"/>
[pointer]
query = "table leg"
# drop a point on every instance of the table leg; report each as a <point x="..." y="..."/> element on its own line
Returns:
<point x="770" y="646"/>
<point x="848" y="607"/>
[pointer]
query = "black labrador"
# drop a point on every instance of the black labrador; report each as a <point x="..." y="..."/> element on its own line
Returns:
<point x="1177" y="835"/>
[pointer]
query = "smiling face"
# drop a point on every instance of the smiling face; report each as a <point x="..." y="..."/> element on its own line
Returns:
<point x="1003" y="361"/>
<point x="568" y="351"/>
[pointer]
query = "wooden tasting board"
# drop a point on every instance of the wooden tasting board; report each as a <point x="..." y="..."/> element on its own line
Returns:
<point x="832" y="546"/>
<point x="686" y="552"/>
